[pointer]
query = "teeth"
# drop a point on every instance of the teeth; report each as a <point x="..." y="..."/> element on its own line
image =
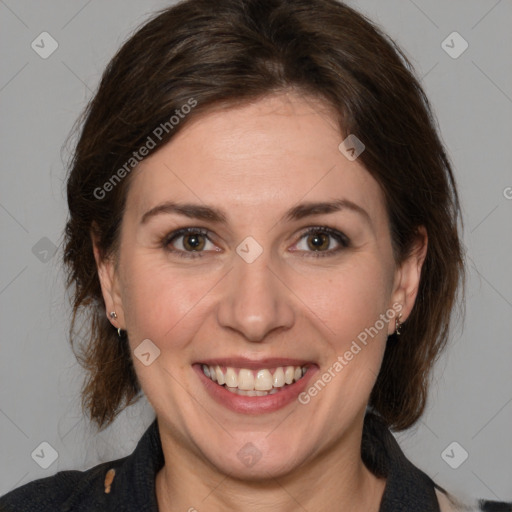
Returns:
<point x="263" y="380"/>
<point x="248" y="383"/>
<point x="231" y="378"/>
<point x="245" y="380"/>
<point x="289" y="374"/>
<point x="278" y="380"/>
<point x="219" y="375"/>
<point x="242" y="392"/>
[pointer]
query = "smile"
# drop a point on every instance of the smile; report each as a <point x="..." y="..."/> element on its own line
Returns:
<point x="262" y="382"/>
<point x="249" y="386"/>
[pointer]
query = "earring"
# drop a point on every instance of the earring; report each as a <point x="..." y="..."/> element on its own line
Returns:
<point x="398" y="324"/>
<point x="113" y="314"/>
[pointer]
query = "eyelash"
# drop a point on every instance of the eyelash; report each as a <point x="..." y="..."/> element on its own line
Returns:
<point x="340" y="237"/>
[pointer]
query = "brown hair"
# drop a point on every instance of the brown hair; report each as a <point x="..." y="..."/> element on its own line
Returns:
<point x="237" y="51"/>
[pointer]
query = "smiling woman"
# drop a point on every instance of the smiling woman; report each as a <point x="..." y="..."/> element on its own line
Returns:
<point x="277" y="272"/>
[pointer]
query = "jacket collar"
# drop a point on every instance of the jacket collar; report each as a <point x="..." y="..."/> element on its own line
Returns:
<point x="407" y="488"/>
<point x="133" y="488"/>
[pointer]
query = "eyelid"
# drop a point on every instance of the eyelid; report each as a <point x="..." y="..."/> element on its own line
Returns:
<point x="342" y="239"/>
<point x="328" y="230"/>
<point x="171" y="237"/>
<point x="185" y="231"/>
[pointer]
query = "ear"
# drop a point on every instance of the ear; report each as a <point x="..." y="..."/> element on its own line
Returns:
<point x="107" y="275"/>
<point x="407" y="277"/>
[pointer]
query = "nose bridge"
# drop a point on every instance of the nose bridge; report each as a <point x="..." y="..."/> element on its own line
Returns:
<point x="255" y="301"/>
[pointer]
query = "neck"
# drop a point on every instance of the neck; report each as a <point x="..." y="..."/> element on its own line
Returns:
<point x="190" y="484"/>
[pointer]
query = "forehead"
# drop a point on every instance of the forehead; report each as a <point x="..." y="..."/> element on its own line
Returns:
<point x="270" y="154"/>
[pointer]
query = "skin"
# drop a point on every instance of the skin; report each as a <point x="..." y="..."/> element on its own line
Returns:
<point x="254" y="163"/>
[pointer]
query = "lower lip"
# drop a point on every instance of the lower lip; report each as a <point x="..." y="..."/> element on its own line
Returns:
<point x="255" y="404"/>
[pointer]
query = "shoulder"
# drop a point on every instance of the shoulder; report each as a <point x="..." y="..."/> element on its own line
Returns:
<point x="407" y="485"/>
<point x="125" y="484"/>
<point x="448" y="503"/>
<point x="55" y="493"/>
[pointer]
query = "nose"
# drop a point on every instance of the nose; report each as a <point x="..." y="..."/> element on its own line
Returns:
<point x="255" y="300"/>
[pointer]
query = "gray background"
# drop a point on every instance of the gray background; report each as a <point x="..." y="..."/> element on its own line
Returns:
<point x="471" y="395"/>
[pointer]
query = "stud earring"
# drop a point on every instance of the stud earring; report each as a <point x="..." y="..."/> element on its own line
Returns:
<point x="398" y="325"/>
<point x="113" y="314"/>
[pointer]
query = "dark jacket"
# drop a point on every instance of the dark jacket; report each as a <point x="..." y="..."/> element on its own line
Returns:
<point x="132" y="488"/>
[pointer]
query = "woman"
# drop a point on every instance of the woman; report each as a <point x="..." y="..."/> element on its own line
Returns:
<point x="263" y="232"/>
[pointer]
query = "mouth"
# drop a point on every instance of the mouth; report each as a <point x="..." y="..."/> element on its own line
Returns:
<point x="247" y="382"/>
<point x="255" y="387"/>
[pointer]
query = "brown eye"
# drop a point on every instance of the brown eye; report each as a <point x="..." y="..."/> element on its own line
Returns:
<point x="323" y="241"/>
<point x="189" y="242"/>
<point x="318" y="242"/>
<point x="194" y="242"/>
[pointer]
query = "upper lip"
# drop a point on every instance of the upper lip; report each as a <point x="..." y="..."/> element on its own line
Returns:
<point x="255" y="364"/>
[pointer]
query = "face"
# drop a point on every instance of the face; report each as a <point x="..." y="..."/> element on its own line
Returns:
<point x="252" y="249"/>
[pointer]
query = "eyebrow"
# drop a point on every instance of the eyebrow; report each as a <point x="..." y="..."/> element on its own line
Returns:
<point x="307" y="209"/>
<point x="195" y="211"/>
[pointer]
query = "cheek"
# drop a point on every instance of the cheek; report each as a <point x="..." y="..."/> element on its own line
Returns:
<point x="349" y="299"/>
<point x="355" y="310"/>
<point x="157" y="299"/>
<point x="352" y="305"/>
